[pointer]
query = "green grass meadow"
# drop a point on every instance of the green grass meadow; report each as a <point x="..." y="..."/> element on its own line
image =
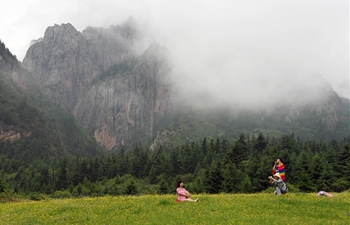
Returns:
<point x="262" y="208"/>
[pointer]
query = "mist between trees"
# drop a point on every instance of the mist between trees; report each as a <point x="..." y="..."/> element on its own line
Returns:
<point x="207" y="166"/>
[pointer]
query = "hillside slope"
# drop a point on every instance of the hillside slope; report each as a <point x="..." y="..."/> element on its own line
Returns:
<point x="326" y="119"/>
<point x="31" y="126"/>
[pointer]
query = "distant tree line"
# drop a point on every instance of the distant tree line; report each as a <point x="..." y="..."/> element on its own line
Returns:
<point x="207" y="166"/>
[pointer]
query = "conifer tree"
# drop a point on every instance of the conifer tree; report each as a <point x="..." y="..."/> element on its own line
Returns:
<point x="163" y="186"/>
<point x="317" y="167"/>
<point x="215" y="178"/>
<point x="95" y="169"/>
<point x="231" y="178"/>
<point x="2" y="184"/>
<point x="260" y="143"/>
<point x="174" y="163"/>
<point x="246" y="185"/>
<point x="62" y="177"/>
<point x="303" y="180"/>
<point x="239" y="152"/>
<point x="157" y="165"/>
<point x="344" y="162"/>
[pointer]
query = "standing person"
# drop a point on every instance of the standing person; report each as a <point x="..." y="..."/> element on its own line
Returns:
<point x="183" y="194"/>
<point x="279" y="168"/>
<point x="281" y="187"/>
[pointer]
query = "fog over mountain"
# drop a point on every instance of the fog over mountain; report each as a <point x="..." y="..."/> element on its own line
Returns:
<point x="234" y="53"/>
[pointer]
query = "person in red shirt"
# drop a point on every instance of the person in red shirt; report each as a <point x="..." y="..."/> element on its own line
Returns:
<point x="279" y="168"/>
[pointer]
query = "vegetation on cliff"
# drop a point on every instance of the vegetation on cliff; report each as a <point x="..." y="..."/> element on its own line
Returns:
<point x="31" y="126"/>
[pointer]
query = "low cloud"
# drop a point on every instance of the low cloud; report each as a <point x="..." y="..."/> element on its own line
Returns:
<point x="231" y="52"/>
<point x="260" y="53"/>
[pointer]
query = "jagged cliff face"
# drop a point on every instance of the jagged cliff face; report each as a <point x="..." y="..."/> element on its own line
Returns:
<point x="124" y="107"/>
<point x="114" y="93"/>
<point x="65" y="61"/>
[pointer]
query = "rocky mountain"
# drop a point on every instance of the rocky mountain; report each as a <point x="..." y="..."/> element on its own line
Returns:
<point x="31" y="127"/>
<point x="116" y="94"/>
<point x="127" y="101"/>
<point x="123" y="98"/>
<point x="66" y="61"/>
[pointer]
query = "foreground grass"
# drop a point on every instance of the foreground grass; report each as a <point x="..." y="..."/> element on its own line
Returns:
<point x="211" y="209"/>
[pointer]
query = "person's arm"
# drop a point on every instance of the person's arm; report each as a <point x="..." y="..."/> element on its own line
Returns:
<point x="273" y="180"/>
<point x="186" y="193"/>
<point x="274" y="169"/>
<point x="278" y="181"/>
<point x="181" y="192"/>
<point x="178" y="191"/>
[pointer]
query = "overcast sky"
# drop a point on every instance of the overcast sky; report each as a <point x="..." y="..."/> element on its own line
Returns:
<point x="221" y="48"/>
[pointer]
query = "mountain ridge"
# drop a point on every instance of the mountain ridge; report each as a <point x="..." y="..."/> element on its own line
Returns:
<point x="124" y="98"/>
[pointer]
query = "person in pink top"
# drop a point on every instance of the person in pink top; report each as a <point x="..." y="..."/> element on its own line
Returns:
<point x="182" y="194"/>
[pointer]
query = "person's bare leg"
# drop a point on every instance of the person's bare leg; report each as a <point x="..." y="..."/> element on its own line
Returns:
<point x="191" y="200"/>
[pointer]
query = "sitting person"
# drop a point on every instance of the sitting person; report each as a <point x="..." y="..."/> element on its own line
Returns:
<point x="183" y="194"/>
<point x="281" y="187"/>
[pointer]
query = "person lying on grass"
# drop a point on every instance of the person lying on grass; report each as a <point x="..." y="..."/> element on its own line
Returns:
<point x="281" y="187"/>
<point x="182" y="194"/>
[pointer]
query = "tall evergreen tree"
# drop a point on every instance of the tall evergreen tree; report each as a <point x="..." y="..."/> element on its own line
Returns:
<point x="260" y="180"/>
<point x="260" y="143"/>
<point x="344" y="162"/>
<point x="288" y="142"/>
<point x="304" y="180"/>
<point x="238" y="152"/>
<point x="138" y="162"/>
<point x="95" y="169"/>
<point x="231" y="178"/>
<point x="215" y="178"/>
<point x="62" y="176"/>
<point x="2" y="184"/>
<point x="317" y="167"/>
<point x="246" y="185"/>
<point x="122" y="162"/>
<point x="157" y="165"/>
<point x="342" y="170"/>
<point x="174" y="163"/>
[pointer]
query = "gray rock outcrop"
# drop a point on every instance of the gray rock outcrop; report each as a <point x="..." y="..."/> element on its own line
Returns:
<point x="117" y="95"/>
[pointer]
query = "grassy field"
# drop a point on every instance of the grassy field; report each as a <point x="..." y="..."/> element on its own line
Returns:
<point x="293" y="208"/>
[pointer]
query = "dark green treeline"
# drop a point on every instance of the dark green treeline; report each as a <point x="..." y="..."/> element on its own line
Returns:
<point x="208" y="166"/>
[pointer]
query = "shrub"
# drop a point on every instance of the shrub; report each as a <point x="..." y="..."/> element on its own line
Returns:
<point x="130" y="188"/>
<point x="37" y="197"/>
<point x="292" y="188"/>
<point x="340" y="185"/>
<point x="62" y="194"/>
